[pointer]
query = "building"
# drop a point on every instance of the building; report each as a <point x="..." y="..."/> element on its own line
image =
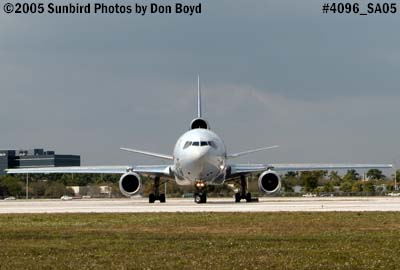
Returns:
<point x="13" y="159"/>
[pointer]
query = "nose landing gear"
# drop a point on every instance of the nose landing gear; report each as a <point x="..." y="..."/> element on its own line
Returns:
<point x="200" y="196"/>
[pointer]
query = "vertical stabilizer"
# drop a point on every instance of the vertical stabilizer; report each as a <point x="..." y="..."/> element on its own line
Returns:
<point x="198" y="97"/>
<point x="199" y="122"/>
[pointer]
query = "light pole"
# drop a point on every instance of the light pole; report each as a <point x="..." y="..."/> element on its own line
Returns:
<point x="27" y="187"/>
<point x="395" y="176"/>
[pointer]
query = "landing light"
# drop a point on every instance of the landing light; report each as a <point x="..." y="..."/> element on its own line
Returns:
<point x="200" y="184"/>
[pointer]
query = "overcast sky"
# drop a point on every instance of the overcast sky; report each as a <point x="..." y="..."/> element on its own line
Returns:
<point x="324" y="87"/>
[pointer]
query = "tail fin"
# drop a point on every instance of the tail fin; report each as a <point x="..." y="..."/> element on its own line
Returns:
<point x="198" y="97"/>
<point x="199" y="122"/>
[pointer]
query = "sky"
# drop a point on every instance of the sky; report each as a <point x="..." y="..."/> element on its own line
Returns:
<point x="322" y="86"/>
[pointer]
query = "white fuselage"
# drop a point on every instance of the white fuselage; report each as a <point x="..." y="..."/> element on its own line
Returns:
<point x="199" y="156"/>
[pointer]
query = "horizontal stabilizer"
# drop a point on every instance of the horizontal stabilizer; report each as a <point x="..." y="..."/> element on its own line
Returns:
<point x="235" y="155"/>
<point x="147" y="153"/>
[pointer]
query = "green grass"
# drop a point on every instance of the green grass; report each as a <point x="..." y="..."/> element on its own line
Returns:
<point x="201" y="241"/>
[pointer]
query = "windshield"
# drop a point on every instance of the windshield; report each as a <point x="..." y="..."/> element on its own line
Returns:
<point x="201" y="143"/>
<point x="187" y="144"/>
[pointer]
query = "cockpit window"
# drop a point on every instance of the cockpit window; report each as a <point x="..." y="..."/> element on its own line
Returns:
<point x="201" y="143"/>
<point x="187" y="144"/>
<point x="212" y="144"/>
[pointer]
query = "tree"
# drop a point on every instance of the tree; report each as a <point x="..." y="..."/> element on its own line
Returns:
<point x="351" y="175"/>
<point x="328" y="187"/>
<point x="287" y="185"/>
<point x="289" y="180"/>
<point x="10" y="186"/>
<point x="335" y="178"/>
<point x="375" y="174"/>
<point x="290" y="174"/>
<point x="346" y="186"/>
<point x="310" y="180"/>
<point x="369" y="187"/>
<point x="357" y="186"/>
<point x="55" y="190"/>
<point x="38" y="188"/>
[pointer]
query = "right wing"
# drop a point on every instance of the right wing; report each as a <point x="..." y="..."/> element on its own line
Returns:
<point x="143" y="169"/>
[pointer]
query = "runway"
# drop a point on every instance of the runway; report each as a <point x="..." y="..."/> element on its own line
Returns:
<point x="213" y="205"/>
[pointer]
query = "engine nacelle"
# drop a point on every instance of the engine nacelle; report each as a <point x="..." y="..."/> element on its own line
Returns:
<point x="269" y="182"/>
<point x="199" y="123"/>
<point x="130" y="184"/>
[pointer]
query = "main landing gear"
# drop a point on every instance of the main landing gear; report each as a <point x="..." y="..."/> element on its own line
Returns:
<point x="156" y="196"/>
<point x="243" y="194"/>
<point x="200" y="196"/>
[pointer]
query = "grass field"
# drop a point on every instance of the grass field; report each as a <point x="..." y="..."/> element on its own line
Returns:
<point x="201" y="241"/>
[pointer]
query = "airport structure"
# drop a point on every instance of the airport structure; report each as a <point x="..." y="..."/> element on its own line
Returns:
<point x="15" y="159"/>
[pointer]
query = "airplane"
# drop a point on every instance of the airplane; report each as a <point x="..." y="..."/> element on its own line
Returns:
<point x="199" y="159"/>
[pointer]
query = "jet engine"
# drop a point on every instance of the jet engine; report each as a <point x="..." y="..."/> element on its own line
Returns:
<point x="199" y="123"/>
<point x="269" y="182"/>
<point x="130" y="184"/>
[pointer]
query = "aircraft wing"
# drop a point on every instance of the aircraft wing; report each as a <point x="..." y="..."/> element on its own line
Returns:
<point x="327" y="166"/>
<point x="253" y="168"/>
<point x="147" y="170"/>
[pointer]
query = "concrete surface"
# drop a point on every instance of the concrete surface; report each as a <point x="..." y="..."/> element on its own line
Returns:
<point x="213" y="205"/>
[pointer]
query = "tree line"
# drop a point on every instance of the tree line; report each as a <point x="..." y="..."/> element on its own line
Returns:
<point x="375" y="182"/>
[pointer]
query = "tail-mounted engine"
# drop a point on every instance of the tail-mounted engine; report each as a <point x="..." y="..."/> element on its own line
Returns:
<point x="199" y="123"/>
<point x="130" y="184"/>
<point x="269" y="182"/>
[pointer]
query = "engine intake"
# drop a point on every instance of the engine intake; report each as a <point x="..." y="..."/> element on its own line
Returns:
<point x="130" y="184"/>
<point x="269" y="182"/>
<point x="199" y="123"/>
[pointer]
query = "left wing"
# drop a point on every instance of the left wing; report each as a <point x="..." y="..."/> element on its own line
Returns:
<point x="146" y="170"/>
<point x="253" y="168"/>
<point x="327" y="166"/>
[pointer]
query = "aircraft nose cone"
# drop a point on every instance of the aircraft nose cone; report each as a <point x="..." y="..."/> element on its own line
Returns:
<point x="195" y="163"/>
<point x="200" y="153"/>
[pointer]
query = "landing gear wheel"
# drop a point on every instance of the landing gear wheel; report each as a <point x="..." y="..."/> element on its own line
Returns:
<point x="248" y="197"/>
<point x="197" y="198"/>
<point x="243" y="194"/>
<point x="204" y="198"/>
<point x="162" y="198"/>
<point x="156" y="195"/>
<point x="152" y="198"/>
<point x="238" y="197"/>
<point x="200" y="197"/>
